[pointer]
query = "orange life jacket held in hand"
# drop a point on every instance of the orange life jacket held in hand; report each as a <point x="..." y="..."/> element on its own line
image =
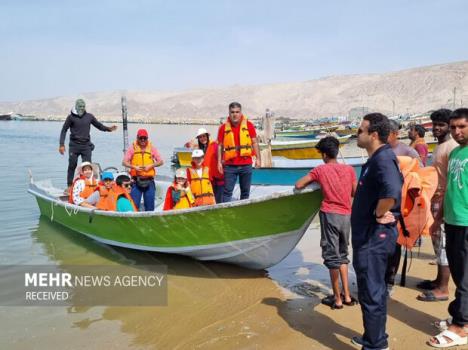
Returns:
<point x="419" y="185"/>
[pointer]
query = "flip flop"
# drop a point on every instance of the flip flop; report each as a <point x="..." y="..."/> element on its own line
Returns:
<point x="429" y="296"/>
<point x="330" y="301"/>
<point x="353" y="301"/>
<point x="426" y="284"/>
<point x="453" y="340"/>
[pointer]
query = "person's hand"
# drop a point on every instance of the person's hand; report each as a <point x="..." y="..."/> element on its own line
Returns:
<point x="62" y="150"/>
<point x="258" y="163"/>
<point x="113" y="128"/>
<point x="147" y="168"/>
<point x="220" y="168"/>
<point x="387" y="218"/>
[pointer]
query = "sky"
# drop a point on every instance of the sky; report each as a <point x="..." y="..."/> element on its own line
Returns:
<point x="64" y="48"/>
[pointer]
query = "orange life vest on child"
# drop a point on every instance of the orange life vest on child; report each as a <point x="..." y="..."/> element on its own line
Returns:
<point x="245" y="142"/>
<point x="186" y="201"/>
<point x="142" y="158"/>
<point x="106" y="198"/>
<point x="90" y="186"/>
<point x="201" y="187"/>
<point x="118" y="192"/>
<point x="419" y="185"/>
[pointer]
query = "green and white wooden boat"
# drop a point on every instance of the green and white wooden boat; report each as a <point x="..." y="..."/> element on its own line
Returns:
<point x="256" y="233"/>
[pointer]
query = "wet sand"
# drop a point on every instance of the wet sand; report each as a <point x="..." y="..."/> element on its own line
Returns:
<point x="216" y="306"/>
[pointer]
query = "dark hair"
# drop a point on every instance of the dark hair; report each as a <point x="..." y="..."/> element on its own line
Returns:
<point x="121" y="179"/>
<point x="441" y="115"/>
<point x="459" y="113"/>
<point x="419" y="129"/>
<point x="394" y="125"/>
<point x="204" y="147"/>
<point x="378" y="123"/>
<point x="328" y="145"/>
<point x="235" y="105"/>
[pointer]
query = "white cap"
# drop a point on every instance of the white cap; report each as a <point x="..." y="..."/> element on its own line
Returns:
<point x="181" y="173"/>
<point x="197" y="153"/>
<point x="202" y="131"/>
<point x="80" y="167"/>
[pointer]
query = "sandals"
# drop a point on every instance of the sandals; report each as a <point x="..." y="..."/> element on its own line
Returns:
<point x="427" y="285"/>
<point x="453" y="340"/>
<point x="430" y="296"/>
<point x="330" y="301"/>
<point x="443" y="325"/>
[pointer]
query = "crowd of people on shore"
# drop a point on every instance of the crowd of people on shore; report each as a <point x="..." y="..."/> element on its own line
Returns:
<point x="378" y="209"/>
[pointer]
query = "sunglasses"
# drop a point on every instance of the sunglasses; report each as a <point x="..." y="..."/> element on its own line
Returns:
<point x="143" y="138"/>
<point x="127" y="185"/>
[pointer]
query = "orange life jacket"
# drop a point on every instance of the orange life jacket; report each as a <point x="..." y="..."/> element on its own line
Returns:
<point x="186" y="201"/>
<point x="90" y="186"/>
<point x="142" y="158"/>
<point x="201" y="187"/>
<point x="106" y="198"/>
<point x="230" y="148"/>
<point x="211" y="161"/>
<point x="118" y="192"/>
<point x="419" y="185"/>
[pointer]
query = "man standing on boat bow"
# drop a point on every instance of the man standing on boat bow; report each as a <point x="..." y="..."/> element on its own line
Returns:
<point x="79" y="122"/>
<point x="237" y="144"/>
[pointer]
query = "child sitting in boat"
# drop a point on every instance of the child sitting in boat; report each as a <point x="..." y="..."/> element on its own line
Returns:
<point x="84" y="190"/>
<point x="199" y="178"/>
<point x="179" y="195"/>
<point x="106" y="191"/>
<point x="123" y="201"/>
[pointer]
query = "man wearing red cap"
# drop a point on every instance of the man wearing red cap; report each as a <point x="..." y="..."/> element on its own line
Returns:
<point x="142" y="159"/>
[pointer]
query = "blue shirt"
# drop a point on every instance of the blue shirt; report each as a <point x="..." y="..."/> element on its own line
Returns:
<point x="380" y="178"/>
<point x="123" y="204"/>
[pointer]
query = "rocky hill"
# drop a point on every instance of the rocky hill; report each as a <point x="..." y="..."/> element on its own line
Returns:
<point x="414" y="90"/>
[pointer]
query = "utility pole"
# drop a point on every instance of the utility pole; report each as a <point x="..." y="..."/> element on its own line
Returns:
<point x="124" y="122"/>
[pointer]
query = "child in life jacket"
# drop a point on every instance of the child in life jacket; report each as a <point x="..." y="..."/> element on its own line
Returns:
<point x="179" y="195"/>
<point x="199" y="179"/>
<point x="84" y="190"/>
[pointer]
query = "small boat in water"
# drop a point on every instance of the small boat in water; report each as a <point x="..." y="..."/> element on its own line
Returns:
<point x="256" y="233"/>
<point x="285" y="172"/>
<point x="300" y="149"/>
<point x="182" y="156"/>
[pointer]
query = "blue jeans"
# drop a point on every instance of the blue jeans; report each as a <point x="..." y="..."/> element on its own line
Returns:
<point x="148" y="194"/>
<point x="370" y="263"/>
<point x="231" y="172"/>
<point x="218" y="191"/>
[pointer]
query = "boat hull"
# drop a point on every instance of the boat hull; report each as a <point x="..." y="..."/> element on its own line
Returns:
<point x="256" y="233"/>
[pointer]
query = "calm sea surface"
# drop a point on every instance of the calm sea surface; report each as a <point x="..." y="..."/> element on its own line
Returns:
<point x="211" y="305"/>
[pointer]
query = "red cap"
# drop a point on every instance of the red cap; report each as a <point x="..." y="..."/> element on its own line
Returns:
<point x="142" y="132"/>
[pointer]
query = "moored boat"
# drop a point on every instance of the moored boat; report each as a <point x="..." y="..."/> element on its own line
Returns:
<point x="255" y="233"/>
<point x="300" y="149"/>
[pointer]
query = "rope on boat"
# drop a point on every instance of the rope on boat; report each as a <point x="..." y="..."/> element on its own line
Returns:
<point x="52" y="211"/>
<point x="72" y="211"/>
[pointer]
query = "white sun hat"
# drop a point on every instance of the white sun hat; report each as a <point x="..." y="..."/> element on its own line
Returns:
<point x="182" y="173"/>
<point x="202" y="131"/>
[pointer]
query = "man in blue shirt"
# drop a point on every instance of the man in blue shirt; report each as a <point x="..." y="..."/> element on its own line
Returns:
<point x="376" y="208"/>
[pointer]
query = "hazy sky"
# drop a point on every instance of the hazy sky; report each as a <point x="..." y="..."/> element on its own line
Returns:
<point x="63" y="48"/>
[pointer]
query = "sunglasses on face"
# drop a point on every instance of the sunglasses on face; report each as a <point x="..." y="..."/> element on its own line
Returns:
<point x="143" y="138"/>
<point x="127" y="185"/>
